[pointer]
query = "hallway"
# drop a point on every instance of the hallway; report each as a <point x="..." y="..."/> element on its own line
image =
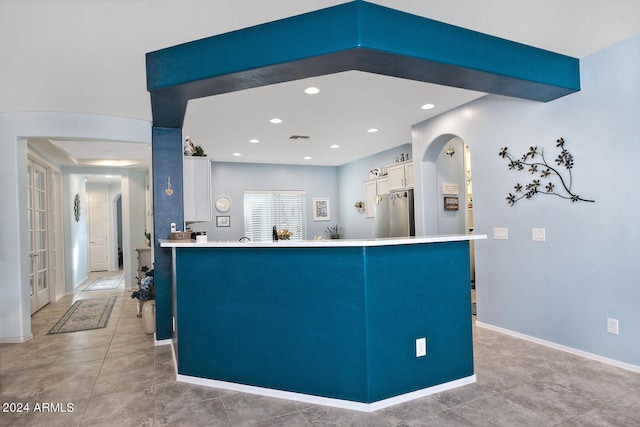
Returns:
<point x="115" y="376"/>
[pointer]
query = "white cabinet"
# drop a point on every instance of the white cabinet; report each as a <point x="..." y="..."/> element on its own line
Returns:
<point x="408" y="174"/>
<point x="400" y="176"/>
<point x="373" y="188"/>
<point x="382" y="185"/>
<point x="196" y="189"/>
<point x="370" y="191"/>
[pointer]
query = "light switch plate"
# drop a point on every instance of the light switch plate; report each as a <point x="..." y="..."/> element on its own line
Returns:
<point x="538" y="234"/>
<point x="421" y="347"/>
<point x="500" y="233"/>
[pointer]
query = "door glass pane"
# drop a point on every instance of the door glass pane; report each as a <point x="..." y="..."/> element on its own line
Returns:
<point x="41" y="281"/>
<point x="43" y="240"/>
<point x="42" y="220"/>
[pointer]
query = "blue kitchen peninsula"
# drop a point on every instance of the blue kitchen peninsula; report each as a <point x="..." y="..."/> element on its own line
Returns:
<point x="332" y="322"/>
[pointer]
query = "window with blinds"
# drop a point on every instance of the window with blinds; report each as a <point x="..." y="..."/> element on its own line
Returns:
<point x="284" y="209"/>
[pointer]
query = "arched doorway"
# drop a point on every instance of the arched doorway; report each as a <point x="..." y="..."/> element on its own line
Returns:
<point x="447" y="192"/>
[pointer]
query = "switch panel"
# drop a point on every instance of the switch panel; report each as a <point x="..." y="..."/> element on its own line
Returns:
<point x="500" y="233"/>
<point x="612" y="326"/>
<point x="538" y="234"/>
<point x="421" y="347"/>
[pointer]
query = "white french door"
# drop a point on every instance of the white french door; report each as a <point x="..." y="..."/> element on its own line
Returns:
<point x="38" y="236"/>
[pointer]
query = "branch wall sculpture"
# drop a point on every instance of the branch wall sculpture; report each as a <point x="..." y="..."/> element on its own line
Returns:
<point x="564" y="183"/>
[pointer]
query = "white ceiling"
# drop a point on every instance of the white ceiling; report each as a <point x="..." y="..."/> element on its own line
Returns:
<point x="95" y="153"/>
<point x="347" y="105"/>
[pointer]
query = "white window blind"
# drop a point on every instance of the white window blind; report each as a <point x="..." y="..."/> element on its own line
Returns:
<point x="284" y="209"/>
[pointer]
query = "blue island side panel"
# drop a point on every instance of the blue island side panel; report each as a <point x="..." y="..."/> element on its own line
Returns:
<point x="416" y="291"/>
<point x="290" y="319"/>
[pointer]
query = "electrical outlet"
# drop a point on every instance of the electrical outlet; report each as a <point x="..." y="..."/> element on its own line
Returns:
<point x="612" y="326"/>
<point x="421" y="347"/>
<point x="500" y="233"/>
<point x="173" y="323"/>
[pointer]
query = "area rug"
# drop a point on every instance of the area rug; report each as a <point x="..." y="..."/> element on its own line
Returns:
<point x="104" y="283"/>
<point x="85" y="314"/>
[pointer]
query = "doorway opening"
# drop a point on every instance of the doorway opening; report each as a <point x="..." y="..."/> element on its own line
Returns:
<point x="448" y="192"/>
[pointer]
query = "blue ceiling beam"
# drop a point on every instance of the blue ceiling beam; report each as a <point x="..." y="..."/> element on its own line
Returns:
<point x="353" y="36"/>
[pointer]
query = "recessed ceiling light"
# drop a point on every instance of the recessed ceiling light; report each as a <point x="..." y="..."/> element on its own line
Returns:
<point x="311" y="90"/>
<point x="254" y="141"/>
<point x="307" y="157"/>
<point x="372" y="130"/>
<point x="237" y="154"/>
<point x="335" y="146"/>
<point x="275" y="121"/>
<point x="427" y="106"/>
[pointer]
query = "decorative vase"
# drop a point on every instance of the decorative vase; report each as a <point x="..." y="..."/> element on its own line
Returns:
<point x="149" y="316"/>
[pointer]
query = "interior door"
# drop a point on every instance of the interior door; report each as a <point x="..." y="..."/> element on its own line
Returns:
<point x="97" y="217"/>
<point x="38" y="232"/>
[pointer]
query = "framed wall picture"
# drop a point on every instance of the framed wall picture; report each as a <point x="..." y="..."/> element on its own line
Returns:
<point x="321" y="209"/>
<point x="451" y="203"/>
<point x="223" y="221"/>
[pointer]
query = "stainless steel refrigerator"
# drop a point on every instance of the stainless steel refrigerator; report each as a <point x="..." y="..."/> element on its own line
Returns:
<point x="394" y="214"/>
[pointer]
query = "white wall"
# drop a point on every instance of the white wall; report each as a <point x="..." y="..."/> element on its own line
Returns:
<point x="133" y="221"/>
<point x="561" y="290"/>
<point x="76" y="257"/>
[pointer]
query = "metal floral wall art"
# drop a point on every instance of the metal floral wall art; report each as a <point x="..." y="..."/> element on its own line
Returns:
<point x="555" y="180"/>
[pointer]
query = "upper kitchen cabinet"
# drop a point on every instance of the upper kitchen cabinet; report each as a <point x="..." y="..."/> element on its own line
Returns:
<point x="372" y="189"/>
<point x="400" y="176"/>
<point x="197" y="191"/>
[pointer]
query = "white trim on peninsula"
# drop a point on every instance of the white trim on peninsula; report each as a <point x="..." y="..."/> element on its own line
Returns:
<point x="391" y="241"/>
<point x="325" y="401"/>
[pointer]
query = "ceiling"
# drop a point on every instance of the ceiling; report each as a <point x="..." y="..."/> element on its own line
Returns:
<point x="349" y="104"/>
<point x="95" y="153"/>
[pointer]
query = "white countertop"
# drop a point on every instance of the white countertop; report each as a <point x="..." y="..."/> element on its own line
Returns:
<point x="391" y="241"/>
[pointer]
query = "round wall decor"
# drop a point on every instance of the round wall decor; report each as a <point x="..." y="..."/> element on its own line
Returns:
<point x="223" y="204"/>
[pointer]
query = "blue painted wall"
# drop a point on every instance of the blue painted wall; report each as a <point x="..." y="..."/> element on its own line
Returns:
<point x="167" y="208"/>
<point x="332" y="322"/>
<point x="561" y="290"/>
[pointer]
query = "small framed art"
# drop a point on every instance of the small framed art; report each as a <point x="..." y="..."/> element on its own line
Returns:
<point x="223" y="221"/>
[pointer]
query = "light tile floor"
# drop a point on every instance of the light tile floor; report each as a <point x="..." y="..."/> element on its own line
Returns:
<point x="116" y="377"/>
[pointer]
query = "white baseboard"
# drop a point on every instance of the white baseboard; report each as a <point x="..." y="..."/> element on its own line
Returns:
<point x="16" y="340"/>
<point x="587" y="355"/>
<point x="162" y="342"/>
<point x="325" y="401"/>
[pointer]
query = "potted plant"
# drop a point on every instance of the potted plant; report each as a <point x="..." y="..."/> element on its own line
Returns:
<point x="334" y="232"/>
<point x="146" y="295"/>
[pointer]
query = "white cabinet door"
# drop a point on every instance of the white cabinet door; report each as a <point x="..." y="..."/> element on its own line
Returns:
<point x="196" y="189"/>
<point x="370" y="190"/>
<point x="408" y="174"/>
<point x="383" y="186"/>
<point x="395" y="174"/>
